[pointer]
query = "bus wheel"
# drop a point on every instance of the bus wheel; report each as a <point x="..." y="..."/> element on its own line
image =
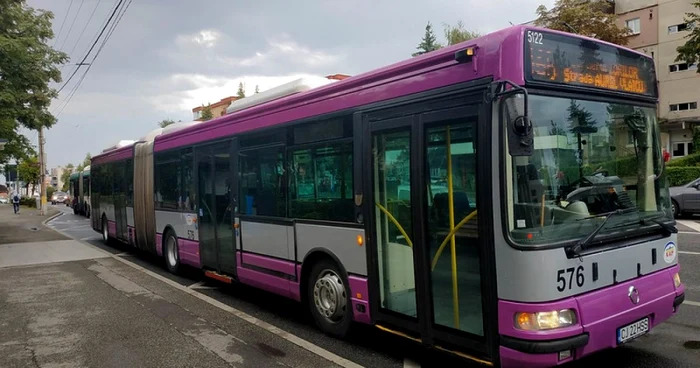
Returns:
<point x="105" y="230"/>
<point x="676" y="210"/>
<point x="328" y="299"/>
<point x="172" y="256"/>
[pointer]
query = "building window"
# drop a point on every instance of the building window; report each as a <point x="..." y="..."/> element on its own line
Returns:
<point x="681" y="27"/>
<point x="683" y="106"/>
<point x="634" y="25"/>
<point x="681" y="149"/>
<point x="673" y="68"/>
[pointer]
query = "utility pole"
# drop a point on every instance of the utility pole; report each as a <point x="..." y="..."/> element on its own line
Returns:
<point x="42" y="176"/>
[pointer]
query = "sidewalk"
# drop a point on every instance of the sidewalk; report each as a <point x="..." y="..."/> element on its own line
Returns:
<point x="26" y="226"/>
<point x="64" y="303"/>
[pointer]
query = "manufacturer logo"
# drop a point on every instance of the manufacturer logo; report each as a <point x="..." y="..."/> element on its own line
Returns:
<point x="670" y="252"/>
<point x="634" y="295"/>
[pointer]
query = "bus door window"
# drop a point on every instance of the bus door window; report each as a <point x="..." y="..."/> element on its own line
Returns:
<point x="453" y="237"/>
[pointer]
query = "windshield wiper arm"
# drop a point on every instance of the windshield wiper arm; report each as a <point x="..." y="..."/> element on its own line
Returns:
<point x="670" y="229"/>
<point x="574" y="250"/>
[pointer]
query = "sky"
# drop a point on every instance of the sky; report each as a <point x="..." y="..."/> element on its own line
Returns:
<point x="168" y="56"/>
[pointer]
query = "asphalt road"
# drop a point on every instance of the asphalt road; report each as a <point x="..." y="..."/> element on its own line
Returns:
<point x="674" y="344"/>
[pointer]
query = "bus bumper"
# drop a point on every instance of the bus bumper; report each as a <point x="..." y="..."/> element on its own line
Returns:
<point x="600" y="314"/>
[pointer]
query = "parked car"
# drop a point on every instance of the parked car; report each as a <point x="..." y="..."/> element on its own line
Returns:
<point x="685" y="199"/>
<point x="59" y="197"/>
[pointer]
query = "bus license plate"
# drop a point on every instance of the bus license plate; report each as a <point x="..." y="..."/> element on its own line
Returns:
<point x="632" y="331"/>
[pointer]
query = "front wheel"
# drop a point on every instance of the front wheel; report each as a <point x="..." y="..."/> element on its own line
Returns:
<point x="328" y="298"/>
<point x="171" y="253"/>
<point x="676" y="209"/>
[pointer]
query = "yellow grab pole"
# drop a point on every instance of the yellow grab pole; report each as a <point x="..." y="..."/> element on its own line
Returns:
<point x="453" y="248"/>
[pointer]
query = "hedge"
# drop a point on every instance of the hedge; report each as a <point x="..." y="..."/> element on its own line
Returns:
<point x="681" y="175"/>
<point x="689" y="160"/>
<point x="28" y="202"/>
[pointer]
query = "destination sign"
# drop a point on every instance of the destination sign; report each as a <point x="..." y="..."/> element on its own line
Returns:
<point x="561" y="59"/>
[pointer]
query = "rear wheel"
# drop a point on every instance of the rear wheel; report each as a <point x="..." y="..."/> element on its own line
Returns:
<point x="171" y="253"/>
<point x="328" y="297"/>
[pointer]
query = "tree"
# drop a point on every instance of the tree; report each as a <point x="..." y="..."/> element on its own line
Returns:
<point x="456" y="34"/>
<point x="65" y="177"/>
<point x="428" y="43"/>
<point x="87" y="160"/>
<point x="257" y="90"/>
<point x="206" y="113"/>
<point x="690" y="51"/>
<point x="165" y="122"/>
<point x="27" y="66"/>
<point x="593" y="18"/>
<point x="241" y="90"/>
<point x="28" y="171"/>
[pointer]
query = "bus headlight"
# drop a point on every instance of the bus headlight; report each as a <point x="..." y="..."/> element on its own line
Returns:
<point x="676" y="280"/>
<point x="545" y="320"/>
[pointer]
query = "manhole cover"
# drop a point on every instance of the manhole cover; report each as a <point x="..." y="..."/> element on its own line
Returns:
<point x="695" y="345"/>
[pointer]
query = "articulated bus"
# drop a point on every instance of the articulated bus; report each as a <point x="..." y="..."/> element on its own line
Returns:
<point x="503" y="199"/>
<point x="80" y="192"/>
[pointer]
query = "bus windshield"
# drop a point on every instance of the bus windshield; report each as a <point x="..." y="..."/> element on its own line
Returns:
<point x="590" y="158"/>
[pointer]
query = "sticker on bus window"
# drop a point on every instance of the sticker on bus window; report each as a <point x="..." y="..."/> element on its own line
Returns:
<point x="520" y="223"/>
<point x="670" y="252"/>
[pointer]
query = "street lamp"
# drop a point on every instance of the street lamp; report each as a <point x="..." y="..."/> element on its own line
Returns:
<point x="3" y="141"/>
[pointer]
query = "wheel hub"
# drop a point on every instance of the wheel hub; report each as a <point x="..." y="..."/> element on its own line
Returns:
<point x="172" y="257"/>
<point x="329" y="295"/>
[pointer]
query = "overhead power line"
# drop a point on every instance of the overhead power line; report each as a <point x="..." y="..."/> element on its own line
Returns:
<point x="62" y="23"/>
<point x="72" y="24"/>
<point x="116" y="8"/>
<point x="85" y="27"/>
<point x="89" y="65"/>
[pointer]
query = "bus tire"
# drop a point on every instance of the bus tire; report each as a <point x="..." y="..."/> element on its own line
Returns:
<point x="171" y="252"/>
<point x="676" y="209"/>
<point x="328" y="297"/>
<point x="105" y="230"/>
<point x="87" y="213"/>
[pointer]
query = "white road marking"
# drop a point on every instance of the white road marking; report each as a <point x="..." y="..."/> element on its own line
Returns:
<point x="691" y="224"/>
<point x="304" y="344"/>
<point x="686" y="252"/>
<point x="91" y="238"/>
<point x="201" y="286"/>
<point x="689" y="232"/>
<point x="123" y="254"/>
<point x="694" y="304"/>
<point x="408" y="363"/>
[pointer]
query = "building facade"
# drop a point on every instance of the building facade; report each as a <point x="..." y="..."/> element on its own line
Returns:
<point x="658" y="29"/>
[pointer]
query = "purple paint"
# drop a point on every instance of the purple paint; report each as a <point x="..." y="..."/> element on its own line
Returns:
<point x="267" y="282"/>
<point x="286" y="267"/>
<point x="116" y="155"/>
<point x="159" y="244"/>
<point x="600" y="314"/>
<point x="359" y="295"/>
<point x="112" y="228"/>
<point x="188" y="250"/>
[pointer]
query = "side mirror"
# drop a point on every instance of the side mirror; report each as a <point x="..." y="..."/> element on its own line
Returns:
<point x="519" y="127"/>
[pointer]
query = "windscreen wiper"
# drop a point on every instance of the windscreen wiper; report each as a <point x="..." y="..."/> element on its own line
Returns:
<point x="573" y="251"/>
<point x="670" y="229"/>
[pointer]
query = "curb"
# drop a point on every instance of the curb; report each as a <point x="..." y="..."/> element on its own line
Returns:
<point x="45" y="222"/>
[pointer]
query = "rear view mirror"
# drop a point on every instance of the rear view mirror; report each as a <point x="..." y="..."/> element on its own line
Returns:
<point x="514" y="113"/>
<point x="520" y="135"/>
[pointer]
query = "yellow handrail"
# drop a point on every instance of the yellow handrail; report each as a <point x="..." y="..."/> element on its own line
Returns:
<point x="395" y="222"/>
<point x="450" y="235"/>
<point x="453" y="248"/>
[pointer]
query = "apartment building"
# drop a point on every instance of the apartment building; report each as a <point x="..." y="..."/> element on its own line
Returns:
<point x="658" y="29"/>
<point x="219" y="108"/>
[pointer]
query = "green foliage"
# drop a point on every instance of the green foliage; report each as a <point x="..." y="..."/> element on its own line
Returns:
<point x="681" y="175"/>
<point x="49" y="192"/>
<point x="28" y="202"/>
<point x="65" y="177"/>
<point x="689" y="160"/>
<point x="456" y="34"/>
<point x="428" y="43"/>
<point x="690" y="51"/>
<point x="87" y="160"/>
<point x="593" y="18"/>
<point x="165" y="122"/>
<point x="241" y="90"/>
<point x="28" y="170"/>
<point x="206" y="113"/>
<point x="27" y="66"/>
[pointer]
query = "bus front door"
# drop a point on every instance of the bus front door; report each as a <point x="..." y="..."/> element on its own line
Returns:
<point x="214" y="206"/>
<point x="425" y="245"/>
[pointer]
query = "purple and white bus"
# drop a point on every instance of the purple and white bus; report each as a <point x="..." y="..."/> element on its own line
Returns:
<point x="503" y="199"/>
